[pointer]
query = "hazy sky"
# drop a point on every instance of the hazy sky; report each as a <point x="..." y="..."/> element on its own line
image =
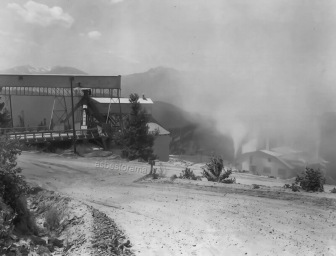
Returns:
<point x="241" y="38"/>
<point x="262" y="56"/>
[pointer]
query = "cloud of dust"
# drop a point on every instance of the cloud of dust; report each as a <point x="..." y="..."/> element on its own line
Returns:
<point x="273" y="80"/>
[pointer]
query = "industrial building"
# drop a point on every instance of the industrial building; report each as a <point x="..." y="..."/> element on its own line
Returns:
<point x="80" y="107"/>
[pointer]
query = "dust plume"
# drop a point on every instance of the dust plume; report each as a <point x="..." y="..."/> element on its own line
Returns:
<point x="271" y="79"/>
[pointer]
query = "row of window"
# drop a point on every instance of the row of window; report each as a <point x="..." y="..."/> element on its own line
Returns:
<point x="268" y="170"/>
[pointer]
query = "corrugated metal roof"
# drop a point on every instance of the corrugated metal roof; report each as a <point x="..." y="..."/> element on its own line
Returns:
<point x="154" y="126"/>
<point x="275" y="154"/>
<point x="272" y="154"/>
<point x="122" y="100"/>
<point x="285" y="150"/>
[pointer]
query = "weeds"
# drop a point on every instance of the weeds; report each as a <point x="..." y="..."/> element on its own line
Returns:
<point x="162" y="171"/>
<point x="154" y="174"/>
<point x="294" y="187"/>
<point x="188" y="174"/>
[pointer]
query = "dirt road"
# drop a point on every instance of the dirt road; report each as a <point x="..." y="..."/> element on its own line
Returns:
<point x="198" y="219"/>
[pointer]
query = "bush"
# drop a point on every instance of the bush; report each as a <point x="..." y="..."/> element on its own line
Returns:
<point x="229" y="181"/>
<point x="6" y="220"/>
<point x="311" y="180"/>
<point x="154" y="174"/>
<point x="173" y="177"/>
<point x="255" y="186"/>
<point x="12" y="185"/>
<point x="53" y="219"/>
<point x="294" y="187"/>
<point x="25" y="222"/>
<point x="188" y="174"/>
<point x="215" y="171"/>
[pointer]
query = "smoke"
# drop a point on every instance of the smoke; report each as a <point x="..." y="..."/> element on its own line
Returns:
<point x="271" y="78"/>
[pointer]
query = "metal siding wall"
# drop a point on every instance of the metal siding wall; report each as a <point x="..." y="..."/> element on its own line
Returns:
<point x="161" y="147"/>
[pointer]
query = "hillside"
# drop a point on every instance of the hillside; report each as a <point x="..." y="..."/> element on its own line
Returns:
<point x="161" y="84"/>
<point x="192" y="133"/>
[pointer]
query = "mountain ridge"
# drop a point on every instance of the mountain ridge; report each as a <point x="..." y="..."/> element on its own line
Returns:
<point x="29" y="69"/>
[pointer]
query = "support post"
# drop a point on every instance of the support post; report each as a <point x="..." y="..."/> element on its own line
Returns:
<point x="73" y="116"/>
<point x="120" y="115"/>
<point x="11" y="110"/>
<point x="52" y="113"/>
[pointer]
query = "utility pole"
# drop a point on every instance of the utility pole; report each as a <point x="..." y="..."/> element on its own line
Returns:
<point x="73" y="116"/>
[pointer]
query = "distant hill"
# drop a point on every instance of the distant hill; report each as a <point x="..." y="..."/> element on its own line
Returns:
<point x="161" y="84"/>
<point x="171" y="116"/>
<point x="28" y="69"/>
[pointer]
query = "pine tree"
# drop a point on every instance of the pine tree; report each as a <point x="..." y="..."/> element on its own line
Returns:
<point x="137" y="140"/>
<point x="5" y="118"/>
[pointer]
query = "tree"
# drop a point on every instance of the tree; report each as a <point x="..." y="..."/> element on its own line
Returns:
<point x="12" y="184"/>
<point x="311" y="180"/>
<point x="136" y="140"/>
<point x="5" y="118"/>
<point x="215" y="171"/>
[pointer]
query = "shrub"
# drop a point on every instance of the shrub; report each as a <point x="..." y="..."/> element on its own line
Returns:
<point x="173" y="177"/>
<point x="311" y="180"/>
<point x="255" y="186"/>
<point x="53" y="218"/>
<point x="13" y="187"/>
<point x="6" y="220"/>
<point x="229" y="181"/>
<point x="188" y="174"/>
<point x="215" y="171"/>
<point x="287" y="186"/>
<point x="25" y="222"/>
<point x="295" y="188"/>
<point x="154" y="174"/>
<point x="12" y="184"/>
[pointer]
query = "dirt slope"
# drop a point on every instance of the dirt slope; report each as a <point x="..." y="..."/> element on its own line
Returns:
<point x="184" y="219"/>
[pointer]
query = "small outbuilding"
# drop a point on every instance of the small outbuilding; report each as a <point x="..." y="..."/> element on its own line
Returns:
<point x="113" y="108"/>
<point x="161" y="142"/>
<point x="281" y="162"/>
